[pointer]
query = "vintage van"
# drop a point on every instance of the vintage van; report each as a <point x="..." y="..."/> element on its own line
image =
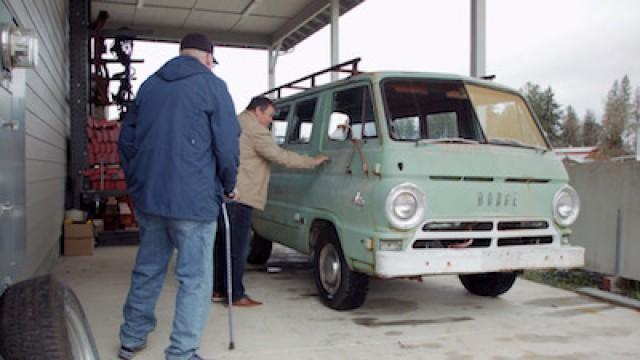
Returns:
<point x="429" y="174"/>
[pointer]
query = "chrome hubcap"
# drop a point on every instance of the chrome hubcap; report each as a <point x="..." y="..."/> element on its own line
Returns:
<point x="330" y="271"/>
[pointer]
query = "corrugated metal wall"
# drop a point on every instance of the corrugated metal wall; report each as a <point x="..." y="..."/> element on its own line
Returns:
<point x="47" y="128"/>
<point x="609" y="222"/>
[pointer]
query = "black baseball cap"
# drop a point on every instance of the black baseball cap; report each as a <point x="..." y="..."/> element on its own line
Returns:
<point x="197" y="41"/>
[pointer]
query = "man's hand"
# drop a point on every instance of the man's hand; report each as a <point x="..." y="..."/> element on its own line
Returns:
<point x="320" y="159"/>
<point x="231" y="196"/>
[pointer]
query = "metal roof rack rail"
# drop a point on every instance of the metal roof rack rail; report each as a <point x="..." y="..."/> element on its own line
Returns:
<point x="336" y="68"/>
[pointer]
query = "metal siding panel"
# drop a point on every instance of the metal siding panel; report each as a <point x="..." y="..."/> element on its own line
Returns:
<point x="598" y="185"/>
<point x="40" y="129"/>
<point x="46" y="118"/>
<point x="630" y="225"/>
<point x="50" y="53"/>
<point x="42" y="99"/>
<point x="38" y="192"/>
<point x="39" y="171"/>
<point x="37" y="149"/>
<point x="45" y="224"/>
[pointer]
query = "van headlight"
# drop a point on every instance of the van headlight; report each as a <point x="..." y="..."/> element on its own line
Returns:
<point x="405" y="206"/>
<point x="566" y="206"/>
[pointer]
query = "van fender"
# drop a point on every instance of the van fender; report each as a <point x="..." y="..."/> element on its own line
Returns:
<point x="364" y="262"/>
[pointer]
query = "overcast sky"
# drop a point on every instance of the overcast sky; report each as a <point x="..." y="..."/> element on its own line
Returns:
<point x="578" y="47"/>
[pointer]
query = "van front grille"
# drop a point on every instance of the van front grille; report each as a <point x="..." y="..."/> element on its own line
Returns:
<point x="525" y="240"/>
<point x="448" y="243"/>
<point x="446" y="226"/>
<point x="523" y="225"/>
<point x="449" y="234"/>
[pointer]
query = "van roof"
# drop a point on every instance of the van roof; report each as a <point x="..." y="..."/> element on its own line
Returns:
<point x="378" y="76"/>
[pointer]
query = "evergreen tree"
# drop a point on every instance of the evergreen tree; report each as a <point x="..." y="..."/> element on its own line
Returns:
<point x="634" y="123"/>
<point x="546" y="108"/>
<point x="616" y="116"/>
<point x="570" y="133"/>
<point x="590" y="129"/>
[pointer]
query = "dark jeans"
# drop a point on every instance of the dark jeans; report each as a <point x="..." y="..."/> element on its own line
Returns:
<point x="240" y="222"/>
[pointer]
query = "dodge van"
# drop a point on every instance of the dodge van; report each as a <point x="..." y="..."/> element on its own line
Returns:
<point x="430" y="174"/>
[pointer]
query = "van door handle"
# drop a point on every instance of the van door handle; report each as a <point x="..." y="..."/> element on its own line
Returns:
<point x="6" y="206"/>
<point x="298" y="218"/>
<point x="12" y="125"/>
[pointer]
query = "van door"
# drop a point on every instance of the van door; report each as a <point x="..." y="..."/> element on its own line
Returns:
<point x="302" y="187"/>
<point x="269" y="223"/>
<point x="351" y="141"/>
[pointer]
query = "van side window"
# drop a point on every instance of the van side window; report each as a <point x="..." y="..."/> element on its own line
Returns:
<point x="279" y="124"/>
<point x="302" y="122"/>
<point x="352" y="107"/>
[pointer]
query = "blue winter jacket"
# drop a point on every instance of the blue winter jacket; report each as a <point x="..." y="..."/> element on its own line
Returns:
<point x="179" y="142"/>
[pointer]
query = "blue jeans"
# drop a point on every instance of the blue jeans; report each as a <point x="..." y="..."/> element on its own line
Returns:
<point x="240" y="221"/>
<point x="159" y="236"/>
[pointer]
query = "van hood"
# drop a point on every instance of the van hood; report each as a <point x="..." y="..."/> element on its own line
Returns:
<point x="443" y="161"/>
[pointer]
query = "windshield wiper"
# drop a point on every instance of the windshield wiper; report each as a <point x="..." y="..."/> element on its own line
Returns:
<point x="453" y="140"/>
<point x="514" y="143"/>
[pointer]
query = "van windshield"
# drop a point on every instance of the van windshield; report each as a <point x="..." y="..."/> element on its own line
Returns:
<point x="431" y="111"/>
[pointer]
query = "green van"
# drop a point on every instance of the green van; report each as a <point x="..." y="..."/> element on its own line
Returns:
<point x="429" y="174"/>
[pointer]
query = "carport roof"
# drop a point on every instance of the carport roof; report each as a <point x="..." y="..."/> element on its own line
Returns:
<point x="240" y="23"/>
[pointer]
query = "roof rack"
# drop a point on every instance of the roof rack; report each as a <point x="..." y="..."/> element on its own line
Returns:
<point x="336" y="68"/>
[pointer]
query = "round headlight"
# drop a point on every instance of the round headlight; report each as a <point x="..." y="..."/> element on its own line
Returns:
<point x="566" y="206"/>
<point x="404" y="206"/>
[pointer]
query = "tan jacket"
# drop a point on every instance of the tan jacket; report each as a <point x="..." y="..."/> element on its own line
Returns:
<point x="257" y="150"/>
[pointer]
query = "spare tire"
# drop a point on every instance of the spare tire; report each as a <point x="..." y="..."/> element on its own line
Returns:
<point x="41" y="318"/>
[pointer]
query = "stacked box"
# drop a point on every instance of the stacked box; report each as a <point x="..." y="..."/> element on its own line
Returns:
<point x="106" y="178"/>
<point x="103" y="141"/>
<point x="79" y="239"/>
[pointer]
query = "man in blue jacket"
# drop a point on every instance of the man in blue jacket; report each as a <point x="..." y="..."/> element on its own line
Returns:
<point x="179" y="150"/>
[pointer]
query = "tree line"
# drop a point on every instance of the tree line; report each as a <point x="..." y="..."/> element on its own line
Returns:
<point x="615" y="134"/>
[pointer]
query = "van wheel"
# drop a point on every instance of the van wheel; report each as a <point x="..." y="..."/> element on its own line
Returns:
<point x="260" y="250"/>
<point x="489" y="284"/>
<point x="41" y="318"/>
<point x="340" y="288"/>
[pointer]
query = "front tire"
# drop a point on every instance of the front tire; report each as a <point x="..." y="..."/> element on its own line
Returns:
<point x="489" y="284"/>
<point x="41" y="318"/>
<point x="339" y="287"/>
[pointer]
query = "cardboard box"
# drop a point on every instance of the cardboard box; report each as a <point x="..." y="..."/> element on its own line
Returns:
<point x="79" y="246"/>
<point x="75" y="231"/>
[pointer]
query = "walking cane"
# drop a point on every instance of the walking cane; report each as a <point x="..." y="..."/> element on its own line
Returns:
<point x="227" y="236"/>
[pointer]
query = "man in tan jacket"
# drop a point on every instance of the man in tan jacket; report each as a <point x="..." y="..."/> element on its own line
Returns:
<point x="257" y="151"/>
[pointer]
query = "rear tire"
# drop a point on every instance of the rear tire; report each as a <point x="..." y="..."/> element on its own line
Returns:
<point x="41" y="318"/>
<point x="339" y="287"/>
<point x="489" y="284"/>
<point x="260" y="250"/>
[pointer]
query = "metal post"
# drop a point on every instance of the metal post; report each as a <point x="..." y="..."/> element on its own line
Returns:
<point x="79" y="92"/>
<point x="478" y="38"/>
<point x="335" y="17"/>
<point x="273" y="53"/>
<point x="638" y="142"/>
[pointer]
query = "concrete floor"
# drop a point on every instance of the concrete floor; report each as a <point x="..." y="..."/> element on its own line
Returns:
<point x="436" y="319"/>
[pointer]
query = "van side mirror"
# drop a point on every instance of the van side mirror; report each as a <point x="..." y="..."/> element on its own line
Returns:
<point x="338" y="126"/>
